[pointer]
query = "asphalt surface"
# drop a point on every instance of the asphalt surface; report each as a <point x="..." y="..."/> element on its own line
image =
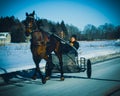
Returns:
<point x="105" y="81"/>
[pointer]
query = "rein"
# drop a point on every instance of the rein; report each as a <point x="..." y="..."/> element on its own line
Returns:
<point x="61" y="39"/>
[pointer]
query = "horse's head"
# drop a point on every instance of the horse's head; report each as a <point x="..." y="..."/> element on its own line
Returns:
<point x="29" y="23"/>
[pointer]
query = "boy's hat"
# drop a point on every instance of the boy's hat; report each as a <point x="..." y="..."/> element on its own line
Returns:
<point x="74" y="36"/>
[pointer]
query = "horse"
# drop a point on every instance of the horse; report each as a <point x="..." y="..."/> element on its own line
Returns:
<point x="42" y="44"/>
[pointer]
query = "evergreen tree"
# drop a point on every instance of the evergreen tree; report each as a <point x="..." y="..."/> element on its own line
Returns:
<point x="64" y="29"/>
<point x="18" y="33"/>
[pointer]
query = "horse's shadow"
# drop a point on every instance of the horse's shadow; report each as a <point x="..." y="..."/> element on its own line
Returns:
<point x="25" y="77"/>
<point x="17" y="77"/>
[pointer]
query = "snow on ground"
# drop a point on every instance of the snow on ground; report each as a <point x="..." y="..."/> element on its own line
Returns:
<point x="14" y="57"/>
<point x="89" y="49"/>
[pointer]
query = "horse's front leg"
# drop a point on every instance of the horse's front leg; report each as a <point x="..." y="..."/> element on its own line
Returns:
<point x="37" y="60"/>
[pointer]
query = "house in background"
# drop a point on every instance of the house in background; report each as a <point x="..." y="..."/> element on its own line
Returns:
<point x="5" y="38"/>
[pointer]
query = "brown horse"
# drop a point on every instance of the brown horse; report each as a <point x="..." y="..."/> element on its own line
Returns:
<point x="42" y="44"/>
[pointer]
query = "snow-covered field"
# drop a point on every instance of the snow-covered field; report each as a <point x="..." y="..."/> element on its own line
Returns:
<point x="90" y="49"/>
<point x="14" y="57"/>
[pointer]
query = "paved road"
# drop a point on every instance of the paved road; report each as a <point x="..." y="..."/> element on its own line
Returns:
<point x="105" y="80"/>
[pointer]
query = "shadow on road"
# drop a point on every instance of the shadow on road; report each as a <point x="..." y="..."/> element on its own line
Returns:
<point x="17" y="77"/>
<point x="101" y="79"/>
<point x="20" y="76"/>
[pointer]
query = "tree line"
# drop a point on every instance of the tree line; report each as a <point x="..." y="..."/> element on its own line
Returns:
<point x="102" y="32"/>
<point x="90" y="32"/>
<point x="14" y="26"/>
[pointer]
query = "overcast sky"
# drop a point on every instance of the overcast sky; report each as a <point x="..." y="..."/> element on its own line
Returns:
<point x="75" y="12"/>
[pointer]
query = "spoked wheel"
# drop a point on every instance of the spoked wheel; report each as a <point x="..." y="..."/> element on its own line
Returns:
<point x="89" y="68"/>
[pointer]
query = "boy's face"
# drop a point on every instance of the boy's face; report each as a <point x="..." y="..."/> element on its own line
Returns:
<point x="72" y="39"/>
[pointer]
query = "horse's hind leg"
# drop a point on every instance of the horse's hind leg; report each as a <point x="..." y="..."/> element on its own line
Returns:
<point x="48" y="71"/>
<point x="61" y="66"/>
<point x="37" y="69"/>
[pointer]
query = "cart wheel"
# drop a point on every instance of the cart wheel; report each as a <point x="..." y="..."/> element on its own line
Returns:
<point x="89" y="69"/>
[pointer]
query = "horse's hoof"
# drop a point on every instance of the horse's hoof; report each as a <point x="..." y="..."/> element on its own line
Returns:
<point x="62" y="78"/>
<point x="34" y="77"/>
<point x="43" y="81"/>
<point x="47" y="78"/>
